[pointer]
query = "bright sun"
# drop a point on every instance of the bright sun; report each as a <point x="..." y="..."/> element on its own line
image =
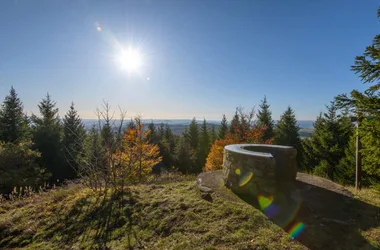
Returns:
<point x="131" y="59"/>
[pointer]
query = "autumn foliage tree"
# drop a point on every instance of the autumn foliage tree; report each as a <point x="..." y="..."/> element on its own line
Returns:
<point x="134" y="159"/>
<point x="243" y="131"/>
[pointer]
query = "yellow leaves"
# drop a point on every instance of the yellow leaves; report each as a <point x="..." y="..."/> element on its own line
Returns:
<point x="136" y="156"/>
<point x="215" y="158"/>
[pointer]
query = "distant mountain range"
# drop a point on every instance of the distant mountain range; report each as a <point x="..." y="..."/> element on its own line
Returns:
<point x="178" y="125"/>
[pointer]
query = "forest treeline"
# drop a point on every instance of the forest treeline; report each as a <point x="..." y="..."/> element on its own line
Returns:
<point x="44" y="148"/>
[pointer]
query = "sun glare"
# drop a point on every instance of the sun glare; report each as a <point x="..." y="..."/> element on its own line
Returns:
<point x="131" y="60"/>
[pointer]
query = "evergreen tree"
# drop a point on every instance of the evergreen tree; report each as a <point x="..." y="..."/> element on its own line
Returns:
<point x="161" y="131"/>
<point x="169" y="136"/>
<point x="167" y="147"/>
<point x="367" y="105"/>
<point x="264" y="119"/>
<point x="185" y="157"/>
<point x="193" y="135"/>
<point x="153" y="137"/>
<point x="204" y="144"/>
<point x="73" y="140"/>
<point x="47" y="139"/>
<point x="19" y="167"/>
<point x="245" y="124"/>
<point x="212" y="135"/>
<point x="95" y="154"/>
<point x="325" y="148"/>
<point x="223" y="129"/>
<point x="235" y="123"/>
<point x="13" y="122"/>
<point x="287" y="132"/>
<point x="345" y="173"/>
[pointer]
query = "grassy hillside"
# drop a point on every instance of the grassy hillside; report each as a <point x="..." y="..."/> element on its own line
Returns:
<point x="167" y="214"/>
<point x="156" y="216"/>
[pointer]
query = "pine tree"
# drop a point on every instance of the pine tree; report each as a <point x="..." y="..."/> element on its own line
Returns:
<point x="193" y="135"/>
<point x="185" y="158"/>
<point x="47" y="139"/>
<point x="153" y="137"/>
<point x="204" y="144"/>
<point x="245" y="124"/>
<point x="107" y="135"/>
<point x="325" y="148"/>
<point x="287" y="129"/>
<point x="345" y="171"/>
<point x="95" y="153"/>
<point x="167" y="147"/>
<point x="161" y="131"/>
<point x="73" y="140"/>
<point x="223" y="129"/>
<point x="287" y="132"/>
<point x="367" y="105"/>
<point x="212" y="135"/>
<point x="235" y="123"/>
<point x="264" y="119"/>
<point x="13" y="122"/>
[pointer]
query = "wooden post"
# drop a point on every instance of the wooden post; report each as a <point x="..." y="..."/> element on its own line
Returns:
<point x="358" y="158"/>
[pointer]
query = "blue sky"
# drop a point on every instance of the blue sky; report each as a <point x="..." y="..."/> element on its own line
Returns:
<point x="202" y="58"/>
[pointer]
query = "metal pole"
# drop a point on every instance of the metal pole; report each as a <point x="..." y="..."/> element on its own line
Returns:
<point x="358" y="158"/>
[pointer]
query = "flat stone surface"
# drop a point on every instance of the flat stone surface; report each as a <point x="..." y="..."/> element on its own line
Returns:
<point x="332" y="218"/>
<point x="323" y="183"/>
<point x="213" y="180"/>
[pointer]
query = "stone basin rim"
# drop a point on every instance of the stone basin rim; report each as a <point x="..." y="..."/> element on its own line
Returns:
<point x="240" y="148"/>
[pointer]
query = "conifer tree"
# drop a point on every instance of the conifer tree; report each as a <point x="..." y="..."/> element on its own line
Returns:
<point x="73" y="140"/>
<point x="223" y="129"/>
<point x="325" y="148"/>
<point x="47" y="139"/>
<point x="235" y="123"/>
<point x="264" y="119"/>
<point x="167" y="147"/>
<point x="185" y="157"/>
<point x="153" y="133"/>
<point x="345" y="172"/>
<point x="13" y="122"/>
<point x="95" y="153"/>
<point x="287" y="132"/>
<point x="366" y="107"/>
<point x="193" y="135"/>
<point x="204" y="145"/>
<point x="161" y="131"/>
<point x="212" y="135"/>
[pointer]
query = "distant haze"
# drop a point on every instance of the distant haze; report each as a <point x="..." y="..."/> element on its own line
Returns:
<point x="184" y="122"/>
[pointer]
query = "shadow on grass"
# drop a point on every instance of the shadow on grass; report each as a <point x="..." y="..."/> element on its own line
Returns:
<point x="319" y="218"/>
<point x="94" y="222"/>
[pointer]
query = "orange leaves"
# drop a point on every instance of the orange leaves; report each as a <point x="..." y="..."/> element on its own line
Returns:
<point x="215" y="158"/>
<point x="136" y="156"/>
<point x="256" y="135"/>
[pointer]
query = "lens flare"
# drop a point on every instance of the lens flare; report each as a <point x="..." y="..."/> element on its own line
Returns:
<point x="267" y="206"/>
<point x="296" y="230"/>
<point x="237" y="171"/>
<point x="244" y="180"/>
<point x="292" y="215"/>
<point x="265" y="202"/>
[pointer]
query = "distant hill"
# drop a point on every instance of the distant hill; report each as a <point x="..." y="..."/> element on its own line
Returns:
<point x="179" y="125"/>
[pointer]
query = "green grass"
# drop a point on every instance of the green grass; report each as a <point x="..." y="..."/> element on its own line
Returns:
<point x="155" y="216"/>
<point x="167" y="214"/>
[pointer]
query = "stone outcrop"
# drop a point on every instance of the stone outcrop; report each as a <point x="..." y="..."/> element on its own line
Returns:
<point x="257" y="169"/>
